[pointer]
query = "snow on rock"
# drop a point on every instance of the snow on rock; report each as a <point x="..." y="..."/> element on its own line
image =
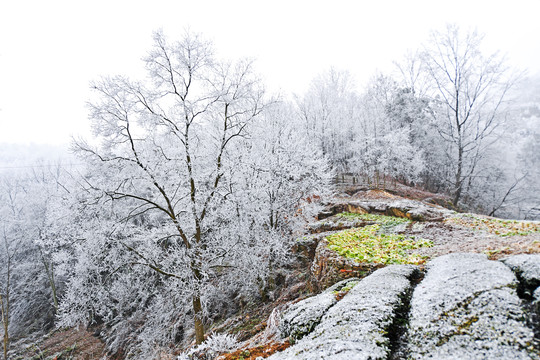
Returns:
<point x="357" y="326"/>
<point x="527" y="268"/>
<point x="536" y="300"/>
<point x="410" y="209"/>
<point x="467" y="307"/>
<point x="336" y="223"/>
<point x="301" y="318"/>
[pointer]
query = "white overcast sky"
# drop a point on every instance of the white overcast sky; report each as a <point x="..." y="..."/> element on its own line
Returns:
<point x="50" y="50"/>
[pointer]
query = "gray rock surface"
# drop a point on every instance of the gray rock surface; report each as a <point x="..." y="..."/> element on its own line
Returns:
<point x="301" y="318"/>
<point x="527" y="268"/>
<point x="410" y="209"/>
<point x="467" y="308"/>
<point x="357" y="326"/>
<point x="536" y="300"/>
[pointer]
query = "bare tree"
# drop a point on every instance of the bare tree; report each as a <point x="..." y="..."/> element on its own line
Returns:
<point x="411" y="72"/>
<point x="165" y="146"/>
<point x="328" y="111"/>
<point x="472" y="89"/>
<point x="10" y="235"/>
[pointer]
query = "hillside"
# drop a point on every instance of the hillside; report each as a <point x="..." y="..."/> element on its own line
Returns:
<point x="359" y="232"/>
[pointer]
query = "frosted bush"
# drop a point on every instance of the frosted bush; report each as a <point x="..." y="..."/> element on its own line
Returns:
<point x="215" y="345"/>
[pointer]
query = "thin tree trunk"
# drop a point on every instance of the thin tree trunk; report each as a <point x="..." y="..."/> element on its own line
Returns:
<point x="459" y="180"/>
<point x="197" y="306"/>
<point x="6" y="341"/>
<point x="49" y="270"/>
<point x="4" y="302"/>
<point x="4" y="305"/>
<point x="199" y="326"/>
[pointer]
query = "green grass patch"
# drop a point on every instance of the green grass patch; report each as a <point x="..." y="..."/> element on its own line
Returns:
<point x="248" y="325"/>
<point x="346" y="288"/>
<point x="384" y="220"/>
<point x="368" y="244"/>
<point x="339" y="294"/>
<point x="349" y="285"/>
<point x="495" y="226"/>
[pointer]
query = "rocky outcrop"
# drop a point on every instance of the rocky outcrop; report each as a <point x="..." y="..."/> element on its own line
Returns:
<point x="527" y="269"/>
<point x="334" y="224"/>
<point x="447" y="230"/>
<point x="301" y="318"/>
<point x="358" y="326"/>
<point x="399" y="207"/>
<point x="328" y="267"/>
<point x="466" y="307"/>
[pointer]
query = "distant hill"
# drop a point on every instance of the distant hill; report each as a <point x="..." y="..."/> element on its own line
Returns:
<point x="17" y="157"/>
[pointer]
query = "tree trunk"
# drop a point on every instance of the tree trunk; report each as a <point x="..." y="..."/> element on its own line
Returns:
<point x="5" y="322"/>
<point x="6" y="342"/>
<point x="49" y="269"/>
<point x="197" y="306"/>
<point x="199" y="326"/>
<point x="459" y="180"/>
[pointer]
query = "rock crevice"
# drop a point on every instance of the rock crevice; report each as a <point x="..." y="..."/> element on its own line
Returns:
<point x="360" y="325"/>
<point x="465" y="307"/>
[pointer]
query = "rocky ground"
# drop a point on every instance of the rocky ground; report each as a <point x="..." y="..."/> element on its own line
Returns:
<point x="466" y="307"/>
<point x="469" y="294"/>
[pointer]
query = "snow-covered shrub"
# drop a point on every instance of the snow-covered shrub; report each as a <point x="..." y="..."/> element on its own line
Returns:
<point x="215" y="345"/>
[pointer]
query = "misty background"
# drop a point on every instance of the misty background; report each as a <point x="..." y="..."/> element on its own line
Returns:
<point x="49" y="52"/>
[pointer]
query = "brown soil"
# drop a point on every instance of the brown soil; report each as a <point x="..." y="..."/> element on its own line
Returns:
<point x="392" y="191"/>
<point x="67" y="344"/>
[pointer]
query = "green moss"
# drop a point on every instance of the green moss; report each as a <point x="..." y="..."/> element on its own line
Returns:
<point x="248" y="325"/>
<point x="495" y="226"/>
<point x="467" y="324"/>
<point x="346" y="288"/>
<point x="368" y="244"/>
<point x="349" y="285"/>
<point x="492" y="252"/>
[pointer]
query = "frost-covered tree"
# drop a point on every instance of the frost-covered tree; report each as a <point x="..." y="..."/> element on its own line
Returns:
<point x="11" y="244"/>
<point x="328" y="110"/>
<point x="410" y="108"/>
<point x="529" y="158"/>
<point x="472" y="91"/>
<point x="177" y="217"/>
<point x="164" y="152"/>
<point x="517" y="156"/>
<point x="290" y="171"/>
<point x="32" y="221"/>
<point x="383" y="135"/>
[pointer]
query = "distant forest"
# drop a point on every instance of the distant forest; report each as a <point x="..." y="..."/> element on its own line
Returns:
<point x="186" y="201"/>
